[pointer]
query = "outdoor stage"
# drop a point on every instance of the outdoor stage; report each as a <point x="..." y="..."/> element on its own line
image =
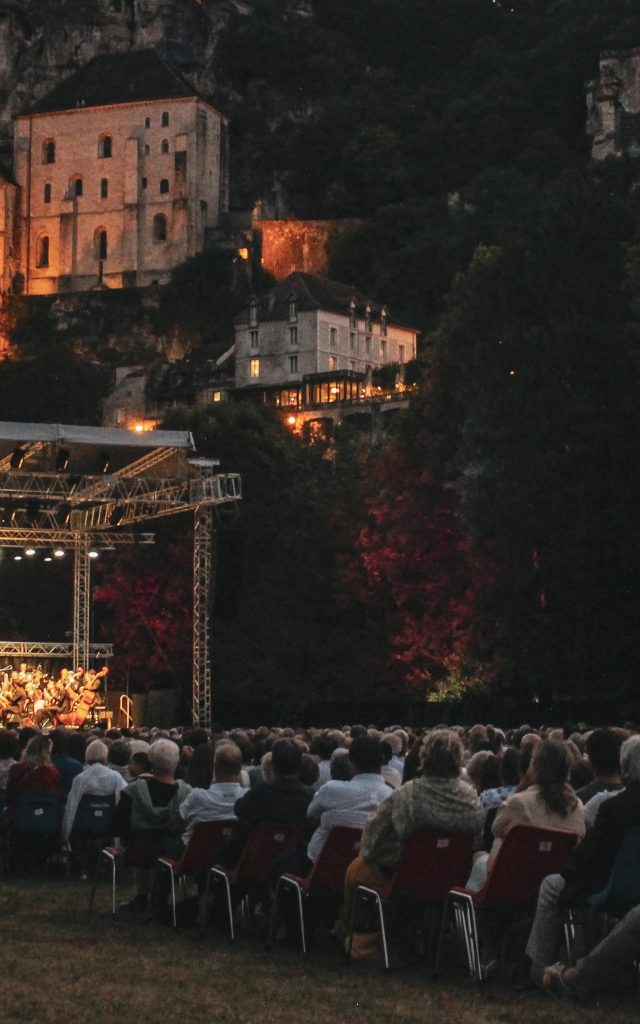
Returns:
<point x="86" y="489"/>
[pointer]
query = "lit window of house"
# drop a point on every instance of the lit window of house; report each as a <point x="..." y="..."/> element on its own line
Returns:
<point x="293" y="308"/>
<point x="159" y="228"/>
<point x="293" y="364"/>
<point x="47" y="193"/>
<point x="49" y="152"/>
<point x="165" y="119"/>
<point x="216" y="396"/>
<point x="105" y="147"/>
<point x="164" y="186"/>
<point x="104" y="188"/>
<point x="42" y="251"/>
<point x="401" y="353"/>
<point x="333" y="363"/>
<point x="293" y="335"/>
<point x="333" y="337"/>
<point x="253" y="339"/>
<point x="254" y="368"/>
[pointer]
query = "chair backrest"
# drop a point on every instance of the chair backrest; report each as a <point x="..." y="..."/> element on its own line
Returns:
<point x="431" y="863"/>
<point x="39" y="814"/>
<point x="263" y="846"/>
<point x="338" y="850"/>
<point x="527" y="855"/>
<point x="622" y="891"/>
<point x="93" y="816"/>
<point x="206" y="841"/>
<point x="143" y="848"/>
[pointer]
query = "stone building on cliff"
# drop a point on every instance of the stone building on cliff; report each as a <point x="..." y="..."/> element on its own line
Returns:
<point x="613" y="105"/>
<point x="120" y="173"/>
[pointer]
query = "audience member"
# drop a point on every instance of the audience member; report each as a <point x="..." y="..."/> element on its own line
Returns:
<point x="96" y="779"/>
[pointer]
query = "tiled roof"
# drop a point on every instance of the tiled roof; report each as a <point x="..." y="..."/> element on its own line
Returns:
<point x="111" y="78"/>
<point x="312" y="292"/>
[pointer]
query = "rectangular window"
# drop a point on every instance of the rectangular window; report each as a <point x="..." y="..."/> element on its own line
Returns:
<point x="293" y="364"/>
<point x="254" y="368"/>
<point x="253" y="339"/>
<point x="352" y="364"/>
<point x="333" y="337"/>
<point x="216" y="396"/>
<point x="383" y="349"/>
<point x="143" y="184"/>
<point x="401" y="353"/>
<point x="293" y="335"/>
<point x="333" y="363"/>
<point x="352" y="341"/>
<point x="293" y="309"/>
<point x="104" y="188"/>
<point x="367" y="345"/>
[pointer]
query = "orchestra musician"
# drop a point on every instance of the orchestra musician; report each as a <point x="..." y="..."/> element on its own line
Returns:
<point x="35" y="698"/>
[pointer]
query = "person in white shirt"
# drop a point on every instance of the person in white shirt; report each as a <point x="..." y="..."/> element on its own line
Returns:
<point x="96" y="779"/>
<point x="217" y="802"/>
<point x="349" y="803"/>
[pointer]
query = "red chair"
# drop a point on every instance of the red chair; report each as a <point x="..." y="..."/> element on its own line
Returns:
<point x="142" y="852"/>
<point x="325" y="879"/>
<point x="430" y="863"/>
<point x="206" y="841"/>
<point x="527" y="855"/>
<point x="264" y="845"/>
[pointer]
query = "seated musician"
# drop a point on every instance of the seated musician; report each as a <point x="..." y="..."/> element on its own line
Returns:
<point x="85" y="699"/>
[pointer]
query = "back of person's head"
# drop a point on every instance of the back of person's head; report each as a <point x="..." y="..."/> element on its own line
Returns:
<point x="286" y="757"/>
<point x="551" y="763"/>
<point x="59" y="741"/>
<point x="341" y="767"/>
<point x="580" y="774"/>
<point x="139" y="764"/>
<point x="26" y="734"/>
<point x="395" y="742"/>
<point x="356" y="731"/>
<point x="477" y="738"/>
<point x="509" y="767"/>
<point x="8" y="745"/>
<point x="630" y="760"/>
<point x="484" y="770"/>
<point x="441" y="754"/>
<point x="96" y="752"/>
<point x="164" y="756"/>
<point x="366" y="754"/>
<point x="119" y="753"/>
<point x="200" y="767"/>
<point x="227" y="762"/>
<point x="603" y="750"/>
<point x="243" y="741"/>
<point x="195" y="737"/>
<point x="266" y="766"/>
<point x="38" y="750"/>
<point x="309" y="771"/>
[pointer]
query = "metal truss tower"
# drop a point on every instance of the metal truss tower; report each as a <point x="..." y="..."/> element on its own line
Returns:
<point x="81" y="603"/>
<point x="202" y="575"/>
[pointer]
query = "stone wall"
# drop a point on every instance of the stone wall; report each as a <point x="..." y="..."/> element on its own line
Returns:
<point x="288" y="245"/>
<point x="613" y="105"/>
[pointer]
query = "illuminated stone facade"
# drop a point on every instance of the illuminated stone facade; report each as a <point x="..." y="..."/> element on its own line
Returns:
<point x="613" y="105"/>
<point x="310" y="325"/>
<point x="121" y="172"/>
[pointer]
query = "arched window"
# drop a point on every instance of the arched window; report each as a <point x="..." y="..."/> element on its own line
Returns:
<point x="47" y="193"/>
<point x="100" y="243"/>
<point x="49" y="152"/>
<point x="164" y="146"/>
<point x="165" y="119"/>
<point x="159" y="228"/>
<point x="75" y="185"/>
<point x="42" y="251"/>
<point x="104" y="188"/>
<point x="164" y="186"/>
<point x="147" y="122"/>
<point x="105" y="146"/>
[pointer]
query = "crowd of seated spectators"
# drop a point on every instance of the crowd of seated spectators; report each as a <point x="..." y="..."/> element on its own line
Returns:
<point x="388" y="783"/>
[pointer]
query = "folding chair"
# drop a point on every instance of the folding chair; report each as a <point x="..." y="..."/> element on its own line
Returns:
<point x="264" y="845"/>
<point x="620" y="894"/>
<point x="35" y="828"/>
<point x="430" y="863"/>
<point x="141" y="852"/>
<point x="207" y="839"/>
<point x="527" y="855"/>
<point x="326" y="878"/>
<point x="91" y="825"/>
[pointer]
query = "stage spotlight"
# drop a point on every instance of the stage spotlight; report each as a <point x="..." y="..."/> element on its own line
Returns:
<point x="17" y="558"/>
<point x="64" y="511"/>
<point x="62" y="460"/>
<point x="47" y="558"/>
<point x="17" y="458"/>
<point x="33" y="509"/>
<point x="104" y="461"/>
<point x="117" y="515"/>
<point x="93" y="553"/>
<point x="58" y="552"/>
<point x="29" y="552"/>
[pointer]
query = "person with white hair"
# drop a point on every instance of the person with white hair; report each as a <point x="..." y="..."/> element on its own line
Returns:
<point x="96" y="779"/>
<point x="151" y="802"/>
<point x="588" y="868"/>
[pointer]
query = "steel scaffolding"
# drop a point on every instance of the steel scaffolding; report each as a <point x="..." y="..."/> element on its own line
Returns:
<point x="202" y="569"/>
<point x="81" y="603"/>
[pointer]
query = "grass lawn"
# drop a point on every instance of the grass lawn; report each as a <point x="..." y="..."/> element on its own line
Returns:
<point x="62" y="968"/>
